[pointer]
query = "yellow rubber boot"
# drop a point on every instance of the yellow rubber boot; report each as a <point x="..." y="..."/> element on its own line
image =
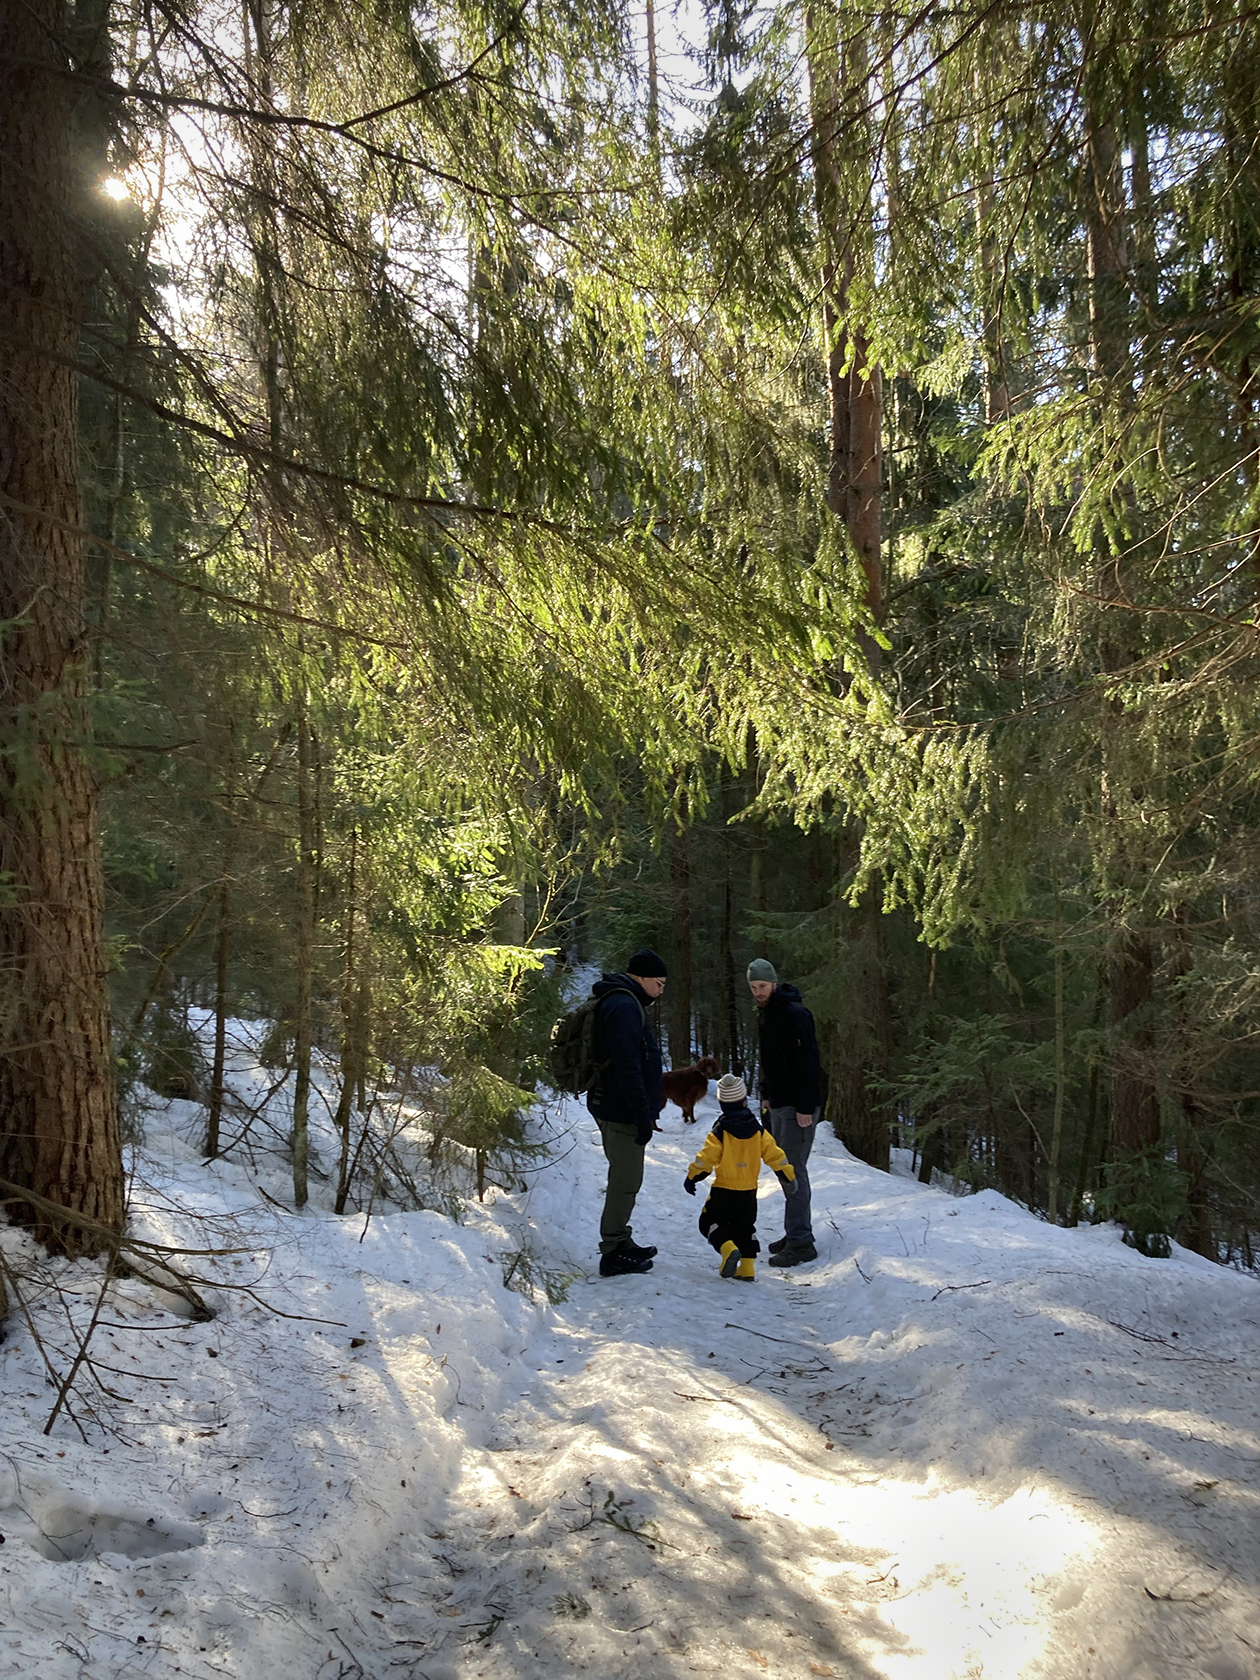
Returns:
<point x="745" y="1272"/>
<point x="730" y="1258"/>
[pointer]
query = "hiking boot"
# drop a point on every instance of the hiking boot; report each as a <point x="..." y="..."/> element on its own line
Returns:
<point x="745" y="1271"/>
<point x="778" y="1245"/>
<point x="794" y="1256"/>
<point x="637" y="1253"/>
<point x="730" y="1259"/>
<point x="622" y="1261"/>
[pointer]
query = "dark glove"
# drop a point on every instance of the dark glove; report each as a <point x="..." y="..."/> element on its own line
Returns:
<point x="644" y="1133"/>
<point x="689" y="1185"/>
<point x="789" y="1184"/>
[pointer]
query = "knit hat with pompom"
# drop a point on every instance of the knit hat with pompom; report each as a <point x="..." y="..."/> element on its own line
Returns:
<point x="731" y="1091"/>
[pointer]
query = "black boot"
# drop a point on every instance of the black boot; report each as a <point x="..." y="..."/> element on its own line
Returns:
<point x="636" y="1252"/>
<point x="622" y="1260"/>
<point x="778" y="1245"/>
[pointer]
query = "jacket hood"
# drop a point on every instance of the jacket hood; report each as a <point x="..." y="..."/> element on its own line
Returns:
<point x="783" y="993"/>
<point x="738" y="1122"/>
<point x="619" y="983"/>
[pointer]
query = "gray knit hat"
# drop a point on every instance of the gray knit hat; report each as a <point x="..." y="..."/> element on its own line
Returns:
<point x="760" y="969"/>
<point x="731" y="1089"/>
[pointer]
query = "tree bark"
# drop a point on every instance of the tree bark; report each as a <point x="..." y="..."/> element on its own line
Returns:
<point x="223" y="945"/>
<point x="1060" y="1061"/>
<point x="59" y="1133"/>
<point x="653" y="88"/>
<point x="844" y="187"/>
<point x="730" y="996"/>
<point x="305" y="955"/>
<point x="854" y="381"/>
<point x="678" y="993"/>
<point x="859" y="1041"/>
<point x="355" y="1020"/>
<point x="1130" y="986"/>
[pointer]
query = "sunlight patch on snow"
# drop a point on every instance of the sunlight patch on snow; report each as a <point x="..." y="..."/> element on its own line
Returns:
<point x="985" y="1610"/>
<point x="991" y="1605"/>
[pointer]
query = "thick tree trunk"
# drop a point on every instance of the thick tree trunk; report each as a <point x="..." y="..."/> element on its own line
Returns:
<point x="838" y="71"/>
<point x="1135" y="1114"/>
<point x="59" y="1132"/>
<point x="854" y="381"/>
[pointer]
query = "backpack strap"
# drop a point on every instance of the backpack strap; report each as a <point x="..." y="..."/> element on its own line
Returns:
<point x="612" y="992"/>
<point x="626" y="992"/>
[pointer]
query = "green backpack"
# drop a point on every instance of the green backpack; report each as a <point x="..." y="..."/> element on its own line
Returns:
<point x="574" y="1068"/>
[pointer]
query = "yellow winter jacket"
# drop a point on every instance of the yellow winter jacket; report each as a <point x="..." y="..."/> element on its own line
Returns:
<point x="736" y="1161"/>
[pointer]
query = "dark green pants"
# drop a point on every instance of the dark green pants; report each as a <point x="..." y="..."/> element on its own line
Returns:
<point x="625" y="1176"/>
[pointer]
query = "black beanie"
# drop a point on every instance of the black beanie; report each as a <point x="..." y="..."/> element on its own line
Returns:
<point x="647" y="965"/>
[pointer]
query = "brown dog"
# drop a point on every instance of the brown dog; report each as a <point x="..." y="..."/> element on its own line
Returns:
<point x="686" y="1086"/>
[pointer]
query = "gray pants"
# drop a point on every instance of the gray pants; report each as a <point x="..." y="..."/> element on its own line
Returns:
<point x="795" y="1142"/>
<point x="625" y="1177"/>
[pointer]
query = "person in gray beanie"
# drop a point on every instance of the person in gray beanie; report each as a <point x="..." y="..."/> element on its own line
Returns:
<point x="791" y="1098"/>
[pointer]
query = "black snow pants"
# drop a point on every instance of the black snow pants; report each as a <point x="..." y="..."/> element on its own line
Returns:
<point x="731" y="1216"/>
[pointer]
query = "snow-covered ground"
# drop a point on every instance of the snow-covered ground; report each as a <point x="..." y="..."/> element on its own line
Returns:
<point x="962" y="1444"/>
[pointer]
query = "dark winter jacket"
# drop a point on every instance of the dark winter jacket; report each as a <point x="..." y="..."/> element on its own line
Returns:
<point x="738" y="1120"/>
<point x="629" y="1085"/>
<point x="790" y="1075"/>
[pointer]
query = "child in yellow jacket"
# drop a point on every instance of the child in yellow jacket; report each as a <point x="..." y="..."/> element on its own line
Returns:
<point x="734" y="1150"/>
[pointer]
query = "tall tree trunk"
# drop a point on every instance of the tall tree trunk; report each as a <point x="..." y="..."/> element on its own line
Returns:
<point x="859" y="1045"/>
<point x="1131" y="986"/>
<point x="678" y="994"/>
<point x="653" y="90"/>
<point x="844" y="196"/>
<point x="59" y="1133"/>
<point x="990" y="262"/>
<point x="355" y="1018"/>
<point x="997" y="391"/>
<point x="757" y="882"/>
<point x="838" y="72"/>
<point x="223" y="946"/>
<point x="757" y="898"/>
<point x="727" y="980"/>
<point x="1060" y="1062"/>
<point x="1086" y="1164"/>
<point x="1195" y="1227"/>
<point x="1135" y="1116"/>
<point x="305" y="953"/>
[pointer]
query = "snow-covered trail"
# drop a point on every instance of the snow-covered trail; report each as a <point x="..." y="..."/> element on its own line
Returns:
<point x="962" y="1444"/>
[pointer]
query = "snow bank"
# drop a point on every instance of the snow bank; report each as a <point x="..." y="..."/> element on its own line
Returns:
<point x="963" y="1443"/>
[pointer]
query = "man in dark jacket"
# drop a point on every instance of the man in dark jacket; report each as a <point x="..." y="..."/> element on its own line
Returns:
<point x="625" y="1100"/>
<point x="791" y="1098"/>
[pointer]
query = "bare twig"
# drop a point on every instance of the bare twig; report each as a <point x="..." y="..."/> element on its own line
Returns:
<point x="946" y="1288"/>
